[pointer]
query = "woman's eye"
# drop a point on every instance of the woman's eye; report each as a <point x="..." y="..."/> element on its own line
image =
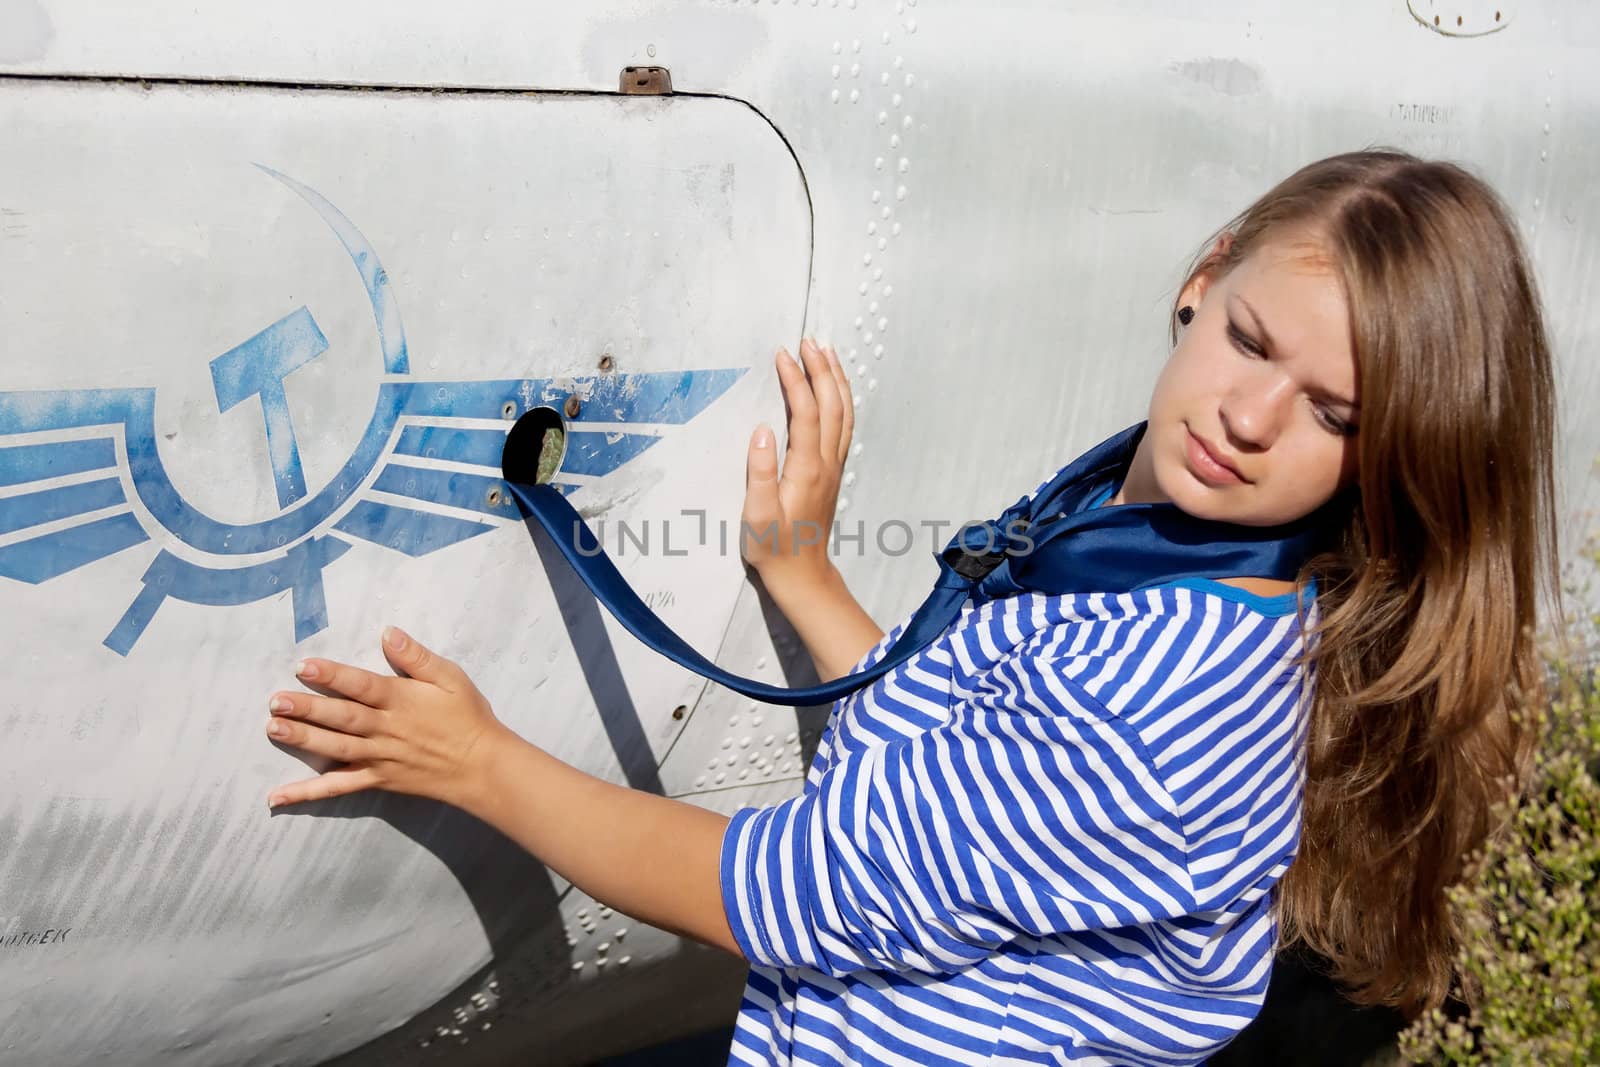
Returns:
<point x="1248" y="345"/>
<point x="1243" y="342"/>
<point x="1333" y="423"/>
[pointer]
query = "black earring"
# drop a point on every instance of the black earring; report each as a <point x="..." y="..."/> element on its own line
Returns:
<point x="1185" y="314"/>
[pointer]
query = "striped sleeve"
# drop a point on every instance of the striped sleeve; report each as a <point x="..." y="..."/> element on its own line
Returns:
<point x="1032" y="813"/>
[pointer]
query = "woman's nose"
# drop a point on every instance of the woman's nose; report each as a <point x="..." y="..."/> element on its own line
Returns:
<point x="1255" y="411"/>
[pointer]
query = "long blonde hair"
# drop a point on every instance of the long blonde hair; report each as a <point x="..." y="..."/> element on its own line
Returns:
<point x="1425" y="645"/>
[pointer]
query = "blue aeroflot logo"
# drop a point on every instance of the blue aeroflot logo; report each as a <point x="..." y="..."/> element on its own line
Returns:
<point x="81" y="478"/>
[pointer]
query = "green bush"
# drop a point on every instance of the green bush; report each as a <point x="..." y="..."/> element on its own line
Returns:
<point x="1530" y="956"/>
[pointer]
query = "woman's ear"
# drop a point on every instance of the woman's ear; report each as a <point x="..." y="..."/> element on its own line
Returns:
<point x="1209" y="270"/>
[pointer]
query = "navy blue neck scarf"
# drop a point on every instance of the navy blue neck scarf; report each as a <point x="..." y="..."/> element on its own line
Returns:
<point x="1057" y="542"/>
<point x="1052" y="542"/>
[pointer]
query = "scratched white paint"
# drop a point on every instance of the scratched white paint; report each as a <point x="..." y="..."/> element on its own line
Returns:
<point x="1004" y="199"/>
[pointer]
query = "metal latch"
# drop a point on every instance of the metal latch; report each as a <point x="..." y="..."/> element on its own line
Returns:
<point x="645" y="81"/>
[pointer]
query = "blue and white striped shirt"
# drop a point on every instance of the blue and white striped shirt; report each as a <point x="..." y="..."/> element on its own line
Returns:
<point x="1050" y="837"/>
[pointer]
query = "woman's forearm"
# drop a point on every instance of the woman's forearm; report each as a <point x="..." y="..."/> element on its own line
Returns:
<point x="651" y="857"/>
<point x="832" y="624"/>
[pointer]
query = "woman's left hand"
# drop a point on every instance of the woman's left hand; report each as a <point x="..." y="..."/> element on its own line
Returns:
<point x="429" y="733"/>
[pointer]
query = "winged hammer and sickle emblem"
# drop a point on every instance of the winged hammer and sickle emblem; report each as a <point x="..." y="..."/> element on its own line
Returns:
<point x="81" y="478"/>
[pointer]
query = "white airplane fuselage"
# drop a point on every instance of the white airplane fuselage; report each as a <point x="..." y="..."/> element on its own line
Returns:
<point x="273" y="278"/>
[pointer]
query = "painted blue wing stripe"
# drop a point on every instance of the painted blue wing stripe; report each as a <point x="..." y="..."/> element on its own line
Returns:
<point x="416" y="533"/>
<point x="589" y="452"/>
<point x="29" y="463"/>
<point x="48" y="505"/>
<point x="65" y="409"/>
<point x="468" y="491"/>
<point x="672" y="397"/>
<point x="43" y="558"/>
<point x="666" y="397"/>
<point x="482" y="448"/>
<point x="597" y="453"/>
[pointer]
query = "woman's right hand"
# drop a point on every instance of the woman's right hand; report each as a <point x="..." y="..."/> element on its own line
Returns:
<point x="788" y="520"/>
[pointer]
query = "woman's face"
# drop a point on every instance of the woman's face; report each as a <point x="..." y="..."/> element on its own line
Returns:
<point x="1253" y="418"/>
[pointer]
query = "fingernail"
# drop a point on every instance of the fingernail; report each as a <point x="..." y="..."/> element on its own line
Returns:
<point x="274" y="800"/>
<point x="789" y="356"/>
<point x="394" y="638"/>
<point x="306" y="669"/>
<point x="279" y="704"/>
<point x="763" y="437"/>
<point x="276" y="728"/>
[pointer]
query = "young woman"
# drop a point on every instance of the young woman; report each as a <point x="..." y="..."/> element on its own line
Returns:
<point x="1064" y="831"/>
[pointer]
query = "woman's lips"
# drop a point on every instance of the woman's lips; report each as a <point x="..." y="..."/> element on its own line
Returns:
<point x="1206" y="465"/>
